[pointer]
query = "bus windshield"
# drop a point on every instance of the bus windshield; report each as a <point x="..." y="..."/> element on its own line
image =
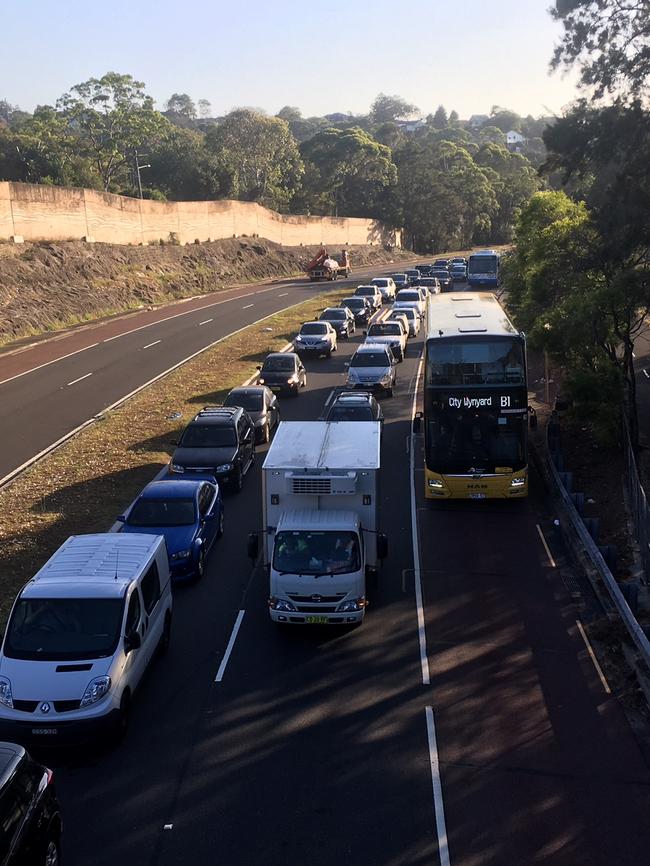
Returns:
<point x="482" y="265"/>
<point x="465" y="442"/>
<point x="475" y="362"/>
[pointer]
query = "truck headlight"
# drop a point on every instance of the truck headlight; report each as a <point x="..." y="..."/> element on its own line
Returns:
<point x="518" y="482"/>
<point x="281" y="604"/>
<point x="176" y="467"/>
<point x="95" y="691"/>
<point x="225" y="467"/>
<point x="435" y="482"/>
<point x="352" y="604"/>
<point x="181" y="554"/>
<point x="6" y="698"/>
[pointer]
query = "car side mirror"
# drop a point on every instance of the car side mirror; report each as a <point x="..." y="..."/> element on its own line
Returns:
<point x="382" y="545"/>
<point x="132" y="641"/>
<point x="417" y="423"/>
<point x="121" y="518"/>
<point x="253" y="545"/>
<point x="365" y="333"/>
<point x="346" y="364"/>
<point x="259" y="367"/>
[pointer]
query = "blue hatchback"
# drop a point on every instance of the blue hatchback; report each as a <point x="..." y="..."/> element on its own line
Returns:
<point x="188" y="513"/>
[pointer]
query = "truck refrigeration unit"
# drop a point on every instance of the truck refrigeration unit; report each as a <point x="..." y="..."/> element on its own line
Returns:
<point x="320" y="537"/>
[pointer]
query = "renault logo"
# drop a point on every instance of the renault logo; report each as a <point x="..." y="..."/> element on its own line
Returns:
<point x="45" y="708"/>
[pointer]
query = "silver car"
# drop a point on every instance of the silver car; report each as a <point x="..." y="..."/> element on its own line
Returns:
<point x="372" y="367"/>
<point x="412" y="318"/>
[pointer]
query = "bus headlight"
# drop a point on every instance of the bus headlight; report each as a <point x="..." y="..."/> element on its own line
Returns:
<point x="518" y="482"/>
<point x="435" y="482"/>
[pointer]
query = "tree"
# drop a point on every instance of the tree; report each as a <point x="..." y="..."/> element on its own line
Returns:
<point x="289" y="113"/>
<point x="391" y="108"/>
<point x="609" y="40"/>
<point x="112" y="118"/>
<point x="205" y="108"/>
<point x="454" y="119"/>
<point x="440" y="120"/>
<point x="504" y="119"/>
<point x="513" y="179"/>
<point x="348" y="172"/>
<point x="182" y="168"/>
<point x="389" y="134"/>
<point x="492" y="133"/>
<point x="181" y="104"/>
<point x="259" y="155"/>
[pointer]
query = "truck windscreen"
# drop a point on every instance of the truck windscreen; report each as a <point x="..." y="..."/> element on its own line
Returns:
<point x="308" y="552"/>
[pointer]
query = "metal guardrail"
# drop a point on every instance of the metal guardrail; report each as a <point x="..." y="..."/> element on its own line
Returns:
<point x="581" y="542"/>
<point x="637" y="499"/>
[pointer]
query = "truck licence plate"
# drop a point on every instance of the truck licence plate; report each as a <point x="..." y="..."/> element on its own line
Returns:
<point x="46" y="731"/>
<point x="477" y="495"/>
<point x="315" y="620"/>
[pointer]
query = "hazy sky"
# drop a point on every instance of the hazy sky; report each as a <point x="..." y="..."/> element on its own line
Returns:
<point x="334" y="56"/>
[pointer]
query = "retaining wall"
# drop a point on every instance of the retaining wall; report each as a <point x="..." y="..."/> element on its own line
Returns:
<point x="31" y="212"/>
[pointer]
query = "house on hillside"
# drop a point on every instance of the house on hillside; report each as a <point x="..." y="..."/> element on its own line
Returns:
<point x="476" y="121"/>
<point x="411" y="125"/>
<point x="514" y="141"/>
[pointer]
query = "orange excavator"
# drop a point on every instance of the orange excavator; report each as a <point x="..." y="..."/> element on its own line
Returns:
<point x="325" y="267"/>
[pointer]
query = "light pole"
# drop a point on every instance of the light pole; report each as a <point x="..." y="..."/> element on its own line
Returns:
<point x="137" y="169"/>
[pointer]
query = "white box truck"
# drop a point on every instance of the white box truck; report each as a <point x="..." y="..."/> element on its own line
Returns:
<point x="320" y="535"/>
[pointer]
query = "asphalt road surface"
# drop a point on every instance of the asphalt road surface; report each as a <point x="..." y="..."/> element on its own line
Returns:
<point x="54" y="386"/>
<point x="470" y="729"/>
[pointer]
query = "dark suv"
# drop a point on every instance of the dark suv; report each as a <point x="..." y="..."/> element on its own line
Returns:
<point x="219" y="441"/>
<point x="30" y="820"/>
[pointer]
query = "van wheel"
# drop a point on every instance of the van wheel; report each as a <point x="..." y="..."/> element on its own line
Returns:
<point x="166" y="636"/>
<point x="123" y="719"/>
<point x="220" y="527"/>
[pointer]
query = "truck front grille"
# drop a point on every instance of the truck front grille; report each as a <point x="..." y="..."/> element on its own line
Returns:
<point x="324" y="599"/>
<point x="316" y="608"/>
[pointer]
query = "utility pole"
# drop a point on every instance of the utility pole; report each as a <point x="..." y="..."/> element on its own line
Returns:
<point x="137" y="171"/>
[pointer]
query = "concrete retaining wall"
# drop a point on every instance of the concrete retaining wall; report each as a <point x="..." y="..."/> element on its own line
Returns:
<point x="32" y="212"/>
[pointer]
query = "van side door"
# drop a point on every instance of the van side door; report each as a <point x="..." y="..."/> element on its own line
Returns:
<point x="153" y="614"/>
<point x="134" y="633"/>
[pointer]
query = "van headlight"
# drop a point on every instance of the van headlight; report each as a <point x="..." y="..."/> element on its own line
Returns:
<point x="177" y="468"/>
<point x="281" y="604"/>
<point x="95" y="691"/>
<point x="518" y="482"/>
<point x="6" y="698"/>
<point x="352" y="604"/>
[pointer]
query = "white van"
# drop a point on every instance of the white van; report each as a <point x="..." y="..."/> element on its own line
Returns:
<point x="80" y="636"/>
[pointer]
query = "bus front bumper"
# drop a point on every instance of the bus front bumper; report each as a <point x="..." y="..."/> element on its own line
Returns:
<point x="497" y="486"/>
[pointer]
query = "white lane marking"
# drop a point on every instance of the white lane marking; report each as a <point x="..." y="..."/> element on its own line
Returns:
<point x="329" y="396"/>
<point x="283" y="295"/>
<point x="438" y="804"/>
<point x="71" y="433"/>
<point x="206" y="322"/>
<point x="633" y="355"/>
<point x="422" y="636"/>
<point x="645" y="373"/>
<point x="546" y="547"/>
<point x="149" y="345"/>
<point x="231" y="643"/>
<point x="247" y="306"/>
<point x="80" y="379"/>
<point x="599" y="670"/>
<point x="47" y="363"/>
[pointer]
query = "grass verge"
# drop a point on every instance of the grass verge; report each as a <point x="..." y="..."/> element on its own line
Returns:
<point x="82" y="486"/>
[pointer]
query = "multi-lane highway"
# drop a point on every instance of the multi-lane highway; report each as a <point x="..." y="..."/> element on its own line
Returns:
<point x="463" y="723"/>
<point x="52" y="387"/>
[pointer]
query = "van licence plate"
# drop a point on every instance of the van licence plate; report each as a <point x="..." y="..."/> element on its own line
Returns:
<point x="315" y="620"/>
<point x="46" y="731"/>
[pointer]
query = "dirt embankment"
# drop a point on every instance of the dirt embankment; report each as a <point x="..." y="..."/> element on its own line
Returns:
<point x="47" y="286"/>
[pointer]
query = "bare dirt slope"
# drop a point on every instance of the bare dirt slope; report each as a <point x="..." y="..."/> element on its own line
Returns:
<point x="46" y="286"/>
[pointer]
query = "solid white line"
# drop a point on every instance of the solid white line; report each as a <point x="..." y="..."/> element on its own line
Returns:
<point x="149" y="345"/>
<point x="422" y="636"/>
<point x="645" y="373"/>
<point x="546" y="547"/>
<point x="599" y="670"/>
<point x="206" y="322"/>
<point x="231" y="643"/>
<point x="329" y="396"/>
<point x="438" y="804"/>
<point x="47" y="363"/>
<point x="283" y="295"/>
<point x="74" y="381"/>
<point x="247" y="306"/>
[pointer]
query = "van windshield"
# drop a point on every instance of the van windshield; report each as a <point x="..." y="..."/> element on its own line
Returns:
<point x="303" y="552"/>
<point x="64" y="629"/>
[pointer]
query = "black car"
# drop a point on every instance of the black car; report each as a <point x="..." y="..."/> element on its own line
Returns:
<point x="219" y="442"/>
<point x="441" y="264"/>
<point x="354" y="406"/>
<point x="401" y="281"/>
<point x="458" y="272"/>
<point x="30" y="818"/>
<point x="262" y="406"/>
<point x="341" y="319"/>
<point x="413" y="276"/>
<point x="444" y="278"/>
<point x="424" y="269"/>
<point x="360" y="308"/>
<point x="283" y="373"/>
<point x="431" y="284"/>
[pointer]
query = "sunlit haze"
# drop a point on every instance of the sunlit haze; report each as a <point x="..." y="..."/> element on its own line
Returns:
<point x="468" y="55"/>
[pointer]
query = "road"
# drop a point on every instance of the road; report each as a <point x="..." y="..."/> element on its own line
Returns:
<point x="52" y="387"/>
<point x="484" y="737"/>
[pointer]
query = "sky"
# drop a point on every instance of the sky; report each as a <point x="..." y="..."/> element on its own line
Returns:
<point x="465" y="54"/>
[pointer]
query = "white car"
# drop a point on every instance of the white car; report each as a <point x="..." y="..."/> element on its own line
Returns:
<point x="386" y="286"/>
<point x="315" y="338"/>
<point x="80" y="636"/>
<point x="391" y="333"/>
<point x="372" y="368"/>
<point x="411" y="316"/>
<point x="372" y="293"/>
<point x="410" y="298"/>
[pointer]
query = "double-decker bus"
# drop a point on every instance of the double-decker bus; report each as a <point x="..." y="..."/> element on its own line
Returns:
<point x="475" y="400"/>
<point x="483" y="269"/>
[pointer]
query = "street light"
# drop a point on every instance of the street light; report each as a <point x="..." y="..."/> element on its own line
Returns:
<point x="138" y="167"/>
